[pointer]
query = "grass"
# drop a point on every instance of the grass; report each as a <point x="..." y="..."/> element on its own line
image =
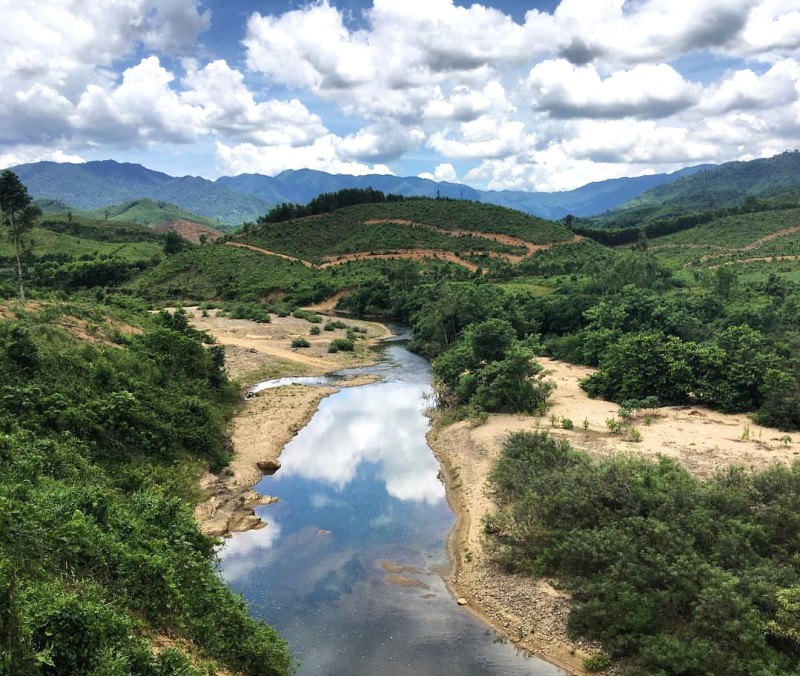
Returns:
<point x="350" y="230"/>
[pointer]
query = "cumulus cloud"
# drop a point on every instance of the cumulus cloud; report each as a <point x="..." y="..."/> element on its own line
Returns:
<point x="481" y="138"/>
<point x="23" y="154"/>
<point x="443" y="172"/>
<point x="321" y="155"/>
<point x="645" y="91"/>
<point x="588" y="91"/>
<point x="380" y="142"/>
<point x="230" y="108"/>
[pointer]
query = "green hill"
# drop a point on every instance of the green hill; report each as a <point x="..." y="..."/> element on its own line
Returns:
<point x="455" y="226"/>
<point x="148" y="212"/>
<point x="748" y="186"/>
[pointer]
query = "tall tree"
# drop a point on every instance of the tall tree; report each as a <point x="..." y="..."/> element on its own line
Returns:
<point x="19" y="216"/>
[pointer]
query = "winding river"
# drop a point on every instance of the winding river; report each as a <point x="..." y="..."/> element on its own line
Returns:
<point x="350" y="568"/>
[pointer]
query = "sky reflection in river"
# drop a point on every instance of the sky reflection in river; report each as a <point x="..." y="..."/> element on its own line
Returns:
<point x="348" y="570"/>
<point x="386" y="429"/>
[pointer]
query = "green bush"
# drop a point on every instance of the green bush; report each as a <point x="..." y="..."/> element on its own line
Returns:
<point x="333" y="324"/>
<point x="300" y="342"/>
<point x="671" y="574"/>
<point x="341" y="344"/>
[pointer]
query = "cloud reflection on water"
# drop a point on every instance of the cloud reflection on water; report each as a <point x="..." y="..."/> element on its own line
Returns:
<point x="381" y="424"/>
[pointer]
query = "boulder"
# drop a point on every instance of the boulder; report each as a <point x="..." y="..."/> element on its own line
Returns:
<point x="269" y="466"/>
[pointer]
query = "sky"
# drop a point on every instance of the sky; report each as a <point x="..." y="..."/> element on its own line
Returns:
<point x="543" y="95"/>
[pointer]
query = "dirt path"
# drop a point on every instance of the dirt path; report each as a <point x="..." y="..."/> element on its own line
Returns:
<point x="752" y="247"/>
<point x="410" y="254"/>
<point x="762" y="259"/>
<point x="267" y="252"/>
<point x="267" y="422"/>
<point x="532" y="613"/>
<point x="422" y="254"/>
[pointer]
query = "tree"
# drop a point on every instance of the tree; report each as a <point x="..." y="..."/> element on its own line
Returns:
<point x="173" y="243"/>
<point x="19" y="216"/>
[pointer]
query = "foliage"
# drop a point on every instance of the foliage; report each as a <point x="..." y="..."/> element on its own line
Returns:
<point x="100" y="447"/>
<point x="489" y="370"/>
<point x="325" y="203"/>
<point x="341" y="345"/>
<point x="672" y="574"/>
<point x="19" y="216"/>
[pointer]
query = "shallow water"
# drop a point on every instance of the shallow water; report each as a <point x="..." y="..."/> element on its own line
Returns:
<point x="349" y="568"/>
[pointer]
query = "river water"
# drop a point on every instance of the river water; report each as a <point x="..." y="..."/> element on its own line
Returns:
<point x="349" y="569"/>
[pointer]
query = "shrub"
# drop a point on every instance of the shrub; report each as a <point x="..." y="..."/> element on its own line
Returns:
<point x="300" y="342"/>
<point x="343" y="344"/>
<point x="315" y="331"/>
<point x="597" y="662"/>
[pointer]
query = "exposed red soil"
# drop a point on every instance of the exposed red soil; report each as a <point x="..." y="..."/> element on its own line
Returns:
<point x="189" y="230"/>
<point x="267" y="252"/>
<point x="412" y="254"/>
<point x="422" y="254"/>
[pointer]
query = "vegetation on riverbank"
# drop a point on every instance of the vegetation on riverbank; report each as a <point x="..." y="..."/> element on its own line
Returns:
<point x="106" y="419"/>
<point x="672" y="574"/>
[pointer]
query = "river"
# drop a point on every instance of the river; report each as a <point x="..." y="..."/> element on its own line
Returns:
<point x="349" y="569"/>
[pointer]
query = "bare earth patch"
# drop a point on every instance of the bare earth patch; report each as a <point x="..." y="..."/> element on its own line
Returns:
<point x="532" y="613"/>
<point x="266" y="422"/>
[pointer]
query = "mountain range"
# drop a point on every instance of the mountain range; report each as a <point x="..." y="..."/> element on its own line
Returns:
<point x="233" y="200"/>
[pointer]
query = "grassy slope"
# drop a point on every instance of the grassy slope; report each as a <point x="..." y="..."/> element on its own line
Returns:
<point x="149" y="212"/>
<point x="347" y="230"/>
<point x="732" y="238"/>
<point x="129" y="243"/>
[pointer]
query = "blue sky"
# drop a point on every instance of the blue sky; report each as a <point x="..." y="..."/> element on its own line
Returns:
<point x="543" y="95"/>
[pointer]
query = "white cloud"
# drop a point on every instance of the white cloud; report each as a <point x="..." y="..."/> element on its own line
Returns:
<point x="141" y="109"/>
<point x="321" y="155"/>
<point x="745" y="90"/>
<point x="465" y="104"/>
<point x="596" y="89"/>
<point x="646" y="91"/>
<point x="481" y="138"/>
<point x="230" y="108"/>
<point x="443" y="172"/>
<point x="24" y="154"/>
<point x="380" y="142"/>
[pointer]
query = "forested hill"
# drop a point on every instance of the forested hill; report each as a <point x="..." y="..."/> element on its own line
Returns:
<point x="757" y="184"/>
<point x="96" y="185"/>
<point x="457" y="226"/>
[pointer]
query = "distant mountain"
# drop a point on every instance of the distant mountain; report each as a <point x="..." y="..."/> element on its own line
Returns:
<point x="235" y="199"/>
<point x="773" y="181"/>
<point x="95" y="185"/>
<point x="302" y="185"/>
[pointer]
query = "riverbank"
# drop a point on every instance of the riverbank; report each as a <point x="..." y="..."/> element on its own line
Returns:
<point x="532" y="613"/>
<point x="266" y="422"/>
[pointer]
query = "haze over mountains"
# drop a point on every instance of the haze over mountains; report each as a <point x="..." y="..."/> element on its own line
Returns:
<point x="234" y="199"/>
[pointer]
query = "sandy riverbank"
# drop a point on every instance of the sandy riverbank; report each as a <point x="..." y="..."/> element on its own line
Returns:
<point x="267" y="422"/>
<point x="532" y="613"/>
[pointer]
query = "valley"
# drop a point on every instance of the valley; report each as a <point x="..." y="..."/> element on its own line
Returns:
<point x="653" y="382"/>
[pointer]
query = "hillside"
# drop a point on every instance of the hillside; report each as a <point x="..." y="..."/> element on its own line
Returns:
<point x="147" y="212"/>
<point x="461" y="227"/>
<point x="96" y="185"/>
<point x="758" y="184"/>
<point x="191" y="231"/>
